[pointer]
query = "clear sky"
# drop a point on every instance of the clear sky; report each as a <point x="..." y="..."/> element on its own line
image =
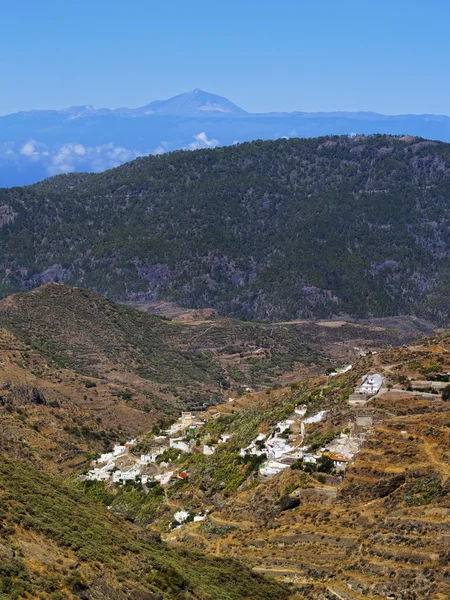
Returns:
<point x="389" y="56"/>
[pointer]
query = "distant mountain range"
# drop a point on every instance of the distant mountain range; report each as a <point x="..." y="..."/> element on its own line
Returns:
<point x="40" y="143"/>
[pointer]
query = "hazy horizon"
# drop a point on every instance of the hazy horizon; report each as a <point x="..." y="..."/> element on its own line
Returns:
<point x="389" y="58"/>
<point x="114" y="106"/>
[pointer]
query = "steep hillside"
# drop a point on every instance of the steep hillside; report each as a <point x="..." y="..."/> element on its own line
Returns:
<point x="117" y="353"/>
<point x="274" y="230"/>
<point x="382" y="533"/>
<point x="43" y="421"/>
<point x="56" y="543"/>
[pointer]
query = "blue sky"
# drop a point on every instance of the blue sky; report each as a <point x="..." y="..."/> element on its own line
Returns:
<point x="387" y="56"/>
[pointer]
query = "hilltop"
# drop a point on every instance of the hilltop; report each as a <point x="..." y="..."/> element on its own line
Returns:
<point x="279" y="230"/>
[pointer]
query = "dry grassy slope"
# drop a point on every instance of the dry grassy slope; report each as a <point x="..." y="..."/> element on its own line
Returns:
<point x="67" y="339"/>
<point x="384" y="532"/>
<point x="125" y="350"/>
<point x="146" y="367"/>
<point x="44" y="416"/>
<point x="260" y="354"/>
<point x="54" y="542"/>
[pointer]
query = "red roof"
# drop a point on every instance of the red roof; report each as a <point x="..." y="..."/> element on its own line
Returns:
<point x="339" y="458"/>
<point x="183" y="475"/>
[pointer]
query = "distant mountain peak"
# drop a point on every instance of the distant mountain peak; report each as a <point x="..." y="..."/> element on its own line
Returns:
<point x="194" y="103"/>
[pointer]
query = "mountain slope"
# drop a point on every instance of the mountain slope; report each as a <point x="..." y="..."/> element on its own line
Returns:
<point x="379" y="530"/>
<point x="128" y="353"/>
<point x="130" y="369"/>
<point x="273" y="230"/>
<point x="56" y="543"/>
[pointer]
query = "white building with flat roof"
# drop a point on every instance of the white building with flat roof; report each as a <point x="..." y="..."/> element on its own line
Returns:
<point x="371" y="384"/>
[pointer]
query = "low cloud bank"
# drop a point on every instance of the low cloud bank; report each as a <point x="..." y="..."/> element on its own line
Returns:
<point x="65" y="158"/>
<point x="70" y="157"/>
<point x="201" y="140"/>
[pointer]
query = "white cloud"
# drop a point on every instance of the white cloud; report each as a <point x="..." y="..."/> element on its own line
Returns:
<point x="70" y="156"/>
<point x="202" y="141"/>
<point x="31" y="151"/>
<point x="66" y="158"/>
<point x="29" y="148"/>
<point x="162" y="148"/>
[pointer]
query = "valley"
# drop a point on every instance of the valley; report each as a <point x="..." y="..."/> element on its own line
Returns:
<point x="322" y="491"/>
<point x="224" y="326"/>
<point x="379" y="529"/>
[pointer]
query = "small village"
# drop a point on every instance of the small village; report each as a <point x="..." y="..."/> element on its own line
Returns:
<point x="283" y="447"/>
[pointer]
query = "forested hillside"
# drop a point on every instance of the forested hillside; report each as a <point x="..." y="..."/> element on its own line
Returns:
<point x="267" y="230"/>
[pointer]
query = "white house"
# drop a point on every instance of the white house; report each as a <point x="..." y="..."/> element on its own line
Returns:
<point x="105" y="457"/>
<point x="98" y="475"/>
<point x="119" y="450"/>
<point x="300" y="411"/>
<point x="179" y="444"/>
<point x="315" y="418"/>
<point x="283" y="425"/>
<point x="371" y="384"/>
<point x="272" y="467"/>
<point x="151" y="458"/>
<point x="309" y="458"/>
<point x="164" y="478"/>
<point x="198" y="518"/>
<point x="253" y="448"/>
<point x="340" y="462"/>
<point x="181" y="516"/>
<point x="277" y="447"/>
<point x="117" y="476"/>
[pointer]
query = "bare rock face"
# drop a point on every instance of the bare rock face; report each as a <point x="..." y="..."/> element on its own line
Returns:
<point x="23" y="394"/>
<point x="288" y="502"/>
<point x="387" y="486"/>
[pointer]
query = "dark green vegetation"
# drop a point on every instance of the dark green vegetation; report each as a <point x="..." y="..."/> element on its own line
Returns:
<point x="271" y="230"/>
<point x="57" y="543"/>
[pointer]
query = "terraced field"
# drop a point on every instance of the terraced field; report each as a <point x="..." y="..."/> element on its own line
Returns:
<point x="381" y="532"/>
